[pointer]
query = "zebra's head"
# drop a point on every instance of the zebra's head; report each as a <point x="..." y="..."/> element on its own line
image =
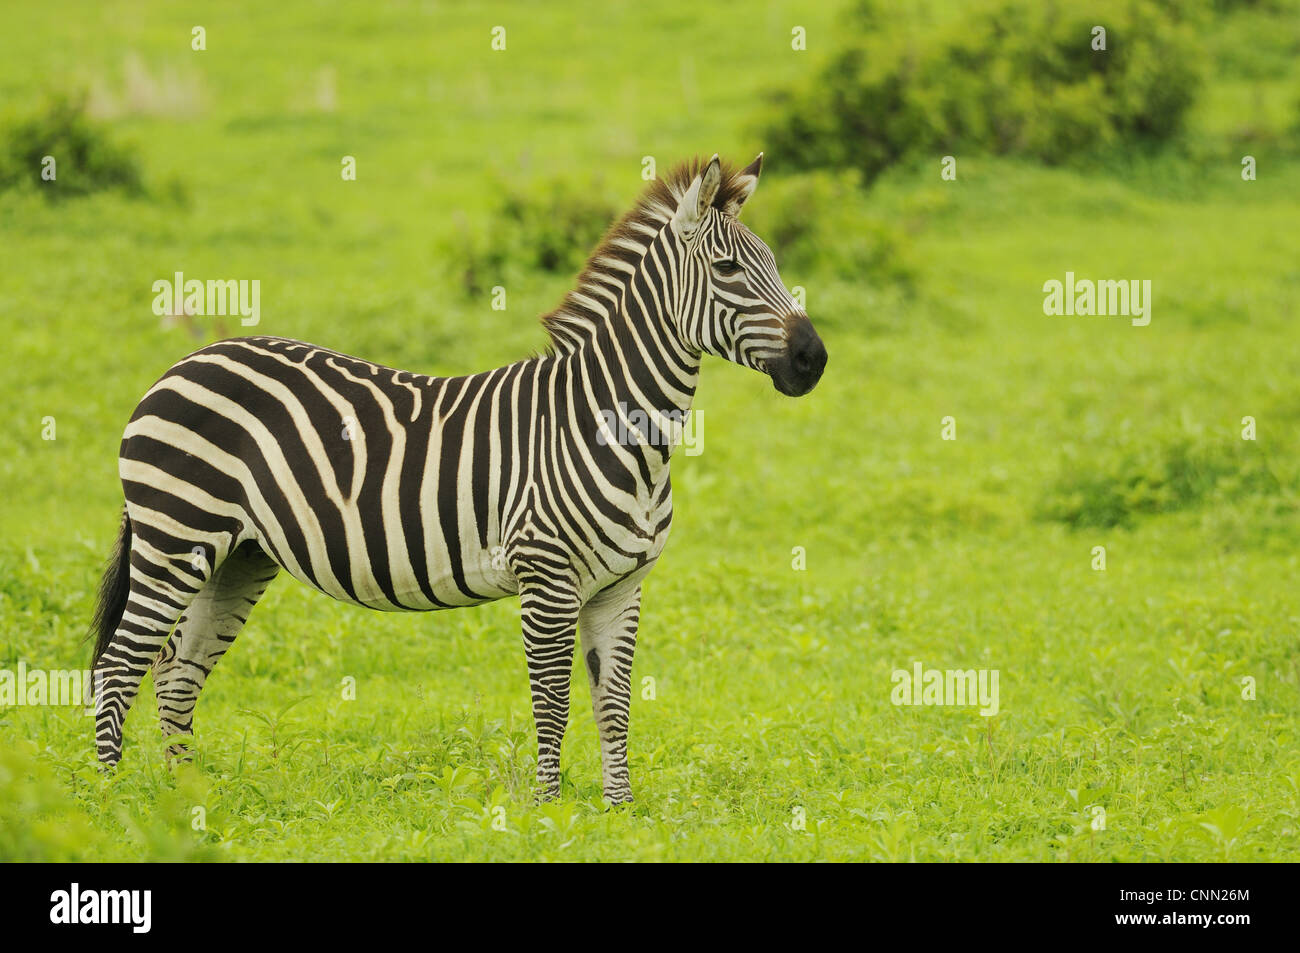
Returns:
<point x="732" y="302"/>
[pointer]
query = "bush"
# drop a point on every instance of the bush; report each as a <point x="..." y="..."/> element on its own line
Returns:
<point x="550" y="227"/>
<point x="86" y="158"/>
<point x="1014" y="77"/>
<point x="818" y="223"/>
<point x="1157" y="478"/>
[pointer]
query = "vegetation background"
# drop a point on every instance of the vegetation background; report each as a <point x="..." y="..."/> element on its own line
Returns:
<point x="770" y="734"/>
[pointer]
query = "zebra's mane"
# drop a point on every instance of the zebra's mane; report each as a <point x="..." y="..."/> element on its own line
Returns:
<point x="583" y="309"/>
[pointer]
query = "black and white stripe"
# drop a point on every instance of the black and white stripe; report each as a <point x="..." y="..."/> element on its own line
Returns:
<point x="398" y="491"/>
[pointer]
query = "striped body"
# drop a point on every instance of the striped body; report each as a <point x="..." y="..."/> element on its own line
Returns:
<point x="399" y="491"/>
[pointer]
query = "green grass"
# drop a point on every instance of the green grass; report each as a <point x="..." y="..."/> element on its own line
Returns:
<point x="1121" y="688"/>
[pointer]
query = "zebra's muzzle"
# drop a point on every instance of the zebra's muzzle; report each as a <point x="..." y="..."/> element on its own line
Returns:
<point x="798" y="370"/>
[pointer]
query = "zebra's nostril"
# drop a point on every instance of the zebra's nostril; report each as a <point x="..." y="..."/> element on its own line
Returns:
<point x="810" y="358"/>
<point x="807" y="354"/>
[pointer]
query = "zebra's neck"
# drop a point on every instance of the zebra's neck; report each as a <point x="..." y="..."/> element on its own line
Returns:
<point x="618" y="326"/>
<point x="642" y="383"/>
<point x="617" y="334"/>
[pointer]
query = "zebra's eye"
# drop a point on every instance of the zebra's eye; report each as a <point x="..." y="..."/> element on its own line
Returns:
<point x="726" y="267"/>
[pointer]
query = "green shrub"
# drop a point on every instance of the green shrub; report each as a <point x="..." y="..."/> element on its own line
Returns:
<point x="1014" y="77"/>
<point x="86" y="158"/>
<point x="819" y="223"/>
<point x="550" y="227"/>
<point x="1157" y="478"/>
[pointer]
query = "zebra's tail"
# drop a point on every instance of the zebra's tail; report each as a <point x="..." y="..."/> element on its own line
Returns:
<point x="113" y="591"/>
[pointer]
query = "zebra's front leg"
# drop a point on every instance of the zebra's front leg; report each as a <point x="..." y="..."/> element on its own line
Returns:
<point x="550" y="619"/>
<point x="608" y="624"/>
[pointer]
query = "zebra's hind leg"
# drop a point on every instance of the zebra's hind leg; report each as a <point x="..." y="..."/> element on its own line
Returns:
<point x="160" y="588"/>
<point x="203" y="634"/>
<point x="608" y="624"/>
<point x="550" y="621"/>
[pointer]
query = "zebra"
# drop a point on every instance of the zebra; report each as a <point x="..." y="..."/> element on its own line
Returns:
<point x="399" y="491"/>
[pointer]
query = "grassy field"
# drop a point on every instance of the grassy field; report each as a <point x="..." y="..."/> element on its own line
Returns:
<point x="1125" y="694"/>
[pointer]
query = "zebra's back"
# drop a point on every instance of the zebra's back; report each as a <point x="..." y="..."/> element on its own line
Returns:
<point x="377" y="486"/>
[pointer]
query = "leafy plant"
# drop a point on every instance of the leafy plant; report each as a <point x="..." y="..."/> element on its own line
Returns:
<point x="1012" y="77"/>
<point x="61" y="151"/>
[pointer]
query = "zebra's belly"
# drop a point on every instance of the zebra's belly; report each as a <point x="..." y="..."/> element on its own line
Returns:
<point x="396" y="572"/>
<point x="404" y="592"/>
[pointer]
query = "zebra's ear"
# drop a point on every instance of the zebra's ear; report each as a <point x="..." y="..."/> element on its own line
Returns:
<point x="745" y="182"/>
<point x="698" y="198"/>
